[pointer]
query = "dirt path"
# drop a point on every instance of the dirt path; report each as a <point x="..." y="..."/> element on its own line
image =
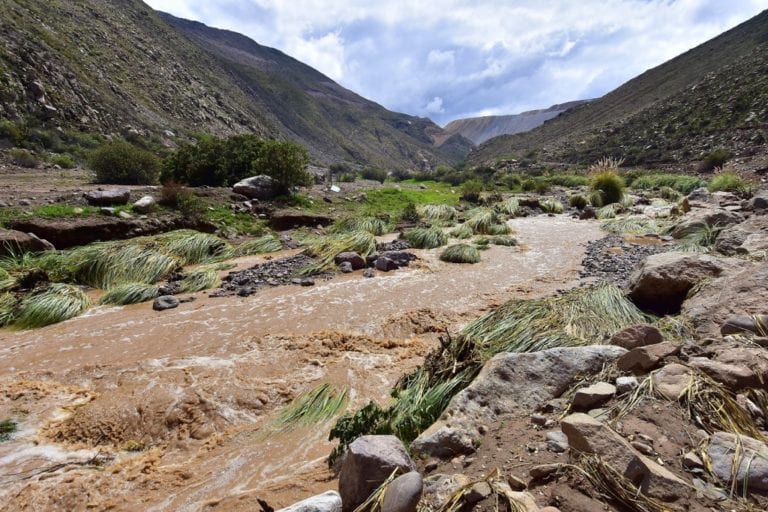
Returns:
<point x="189" y="389"/>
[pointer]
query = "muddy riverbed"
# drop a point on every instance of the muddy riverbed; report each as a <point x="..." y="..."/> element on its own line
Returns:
<point x="130" y="409"/>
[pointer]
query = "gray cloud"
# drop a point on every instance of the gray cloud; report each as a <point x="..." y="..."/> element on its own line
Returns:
<point x="459" y="58"/>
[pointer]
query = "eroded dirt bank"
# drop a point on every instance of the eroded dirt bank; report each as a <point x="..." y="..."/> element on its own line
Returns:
<point x="126" y="408"/>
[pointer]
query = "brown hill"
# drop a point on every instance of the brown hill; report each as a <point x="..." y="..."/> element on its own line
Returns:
<point x="713" y="95"/>
<point x="108" y="66"/>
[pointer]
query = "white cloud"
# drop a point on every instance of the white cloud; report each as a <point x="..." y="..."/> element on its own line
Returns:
<point x="453" y="58"/>
<point x="435" y="106"/>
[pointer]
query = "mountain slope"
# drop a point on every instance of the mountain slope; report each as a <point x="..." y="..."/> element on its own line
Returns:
<point x="576" y="135"/>
<point x="110" y="65"/>
<point x="480" y="129"/>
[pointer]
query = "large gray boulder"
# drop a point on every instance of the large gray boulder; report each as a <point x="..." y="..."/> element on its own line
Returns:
<point x="109" y="197"/>
<point x="697" y="220"/>
<point x="509" y="383"/>
<point x="261" y="187"/>
<point x="354" y="259"/>
<point x="327" y="502"/>
<point x="662" y="283"/>
<point x="737" y="292"/>
<point x="369" y="461"/>
<point x="749" y="238"/>
<point x="403" y="494"/>
<point x="740" y="458"/>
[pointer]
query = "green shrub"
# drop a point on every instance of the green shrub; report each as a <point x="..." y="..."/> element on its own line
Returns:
<point x="460" y="253"/>
<point x="568" y="180"/>
<point x="63" y="161"/>
<point x="285" y="161"/>
<point x="425" y="238"/>
<point x="471" y="190"/>
<point x="24" y="158"/>
<point x="213" y="161"/>
<point x="538" y="185"/>
<point x="729" y="181"/>
<point x="123" y="163"/>
<point x="16" y="133"/>
<point x="578" y="201"/>
<point x="374" y="173"/>
<point x="680" y="182"/>
<point x="713" y="160"/>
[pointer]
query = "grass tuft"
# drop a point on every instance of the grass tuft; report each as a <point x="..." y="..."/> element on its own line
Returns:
<point x="462" y="232"/>
<point x="315" y="406"/>
<point x="509" y="207"/>
<point x="700" y="240"/>
<point x="425" y="238"/>
<point x="578" y="317"/>
<point x="438" y="212"/>
<point x="460" y="253"/>
<point x="264" y="244"/>
<point x="8" y="308"/>
<point x="729" y="181"/>
<point x="679" y="182"/>
<point x="326" y="248"/>
<point x="56" y="303"/>
<point x="199" y="280"/>
<point x="551" y="206"/>
<point x="372" y="225"/>
<point x="130" y="293"/>
<point x="637" y="225"/>
<point x="504" y="240"/>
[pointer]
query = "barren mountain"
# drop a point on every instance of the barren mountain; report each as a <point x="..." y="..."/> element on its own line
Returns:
<point x="109" y="66"/>
<point x="711" y="96"/>
<point x="480" y="129"/>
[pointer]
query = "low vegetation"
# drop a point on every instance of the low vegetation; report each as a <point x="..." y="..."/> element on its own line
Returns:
<point x="261" y="245"/>
<point x="325" y="248"/>
<point x="372" y="225"/>
<point x="123" y="163"/>
<point x="460" y="253"/>
<point x="729" y="181"/>
<point x="681" y="183"/>
<point x="130" y="293"/>
<point x="55" y="303"/>
<point x="605" y="183"/>
<point x="425" y="238"/>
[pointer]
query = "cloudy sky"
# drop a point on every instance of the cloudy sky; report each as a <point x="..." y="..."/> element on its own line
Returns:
<point x="458" y="58"/>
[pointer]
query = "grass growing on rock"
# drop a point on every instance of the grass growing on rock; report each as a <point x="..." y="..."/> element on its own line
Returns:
<point x="130" y="293"/>
<point x="56" y="303"/>
<point x="460" y="253"/>
<point x="425" y="238"/>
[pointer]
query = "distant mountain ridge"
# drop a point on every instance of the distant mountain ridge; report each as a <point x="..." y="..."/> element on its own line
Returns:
<point x="714" y="95"/>
<point x="480" y="129"/>
<point x="110" y="66"/>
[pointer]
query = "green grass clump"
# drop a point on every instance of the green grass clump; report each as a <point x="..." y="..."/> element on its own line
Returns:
<point x="199" y="280"/>
<point x="551" y="206"/>
<point x="372" y="225"/>
<point x="192" y="247"/>
<point x="610" y="186"/>
<point x="578" y="201"/>
<point x="680" y="182"/>
<point x="670" y="194"/>
<point x="460" y="253"/>
<point x="486" y="221"/>
<point x="7" y="427"/>
<point x="107" y="264"/>
<point x="504" y="240"/>
<point x="325" y="249"/>
<point x="578" y="317"/>
<point x="425" y="238"/>
<point x="130" y="293"/>
<point x="315" y="406"/>
<point x="637" y="225"/>
<point x="56" y="303"/>
<point x="609" y="211"/>
<point x="700" y="240"/>
<point x="462" y="232"/>
<point x="264" y="244"/>
<point x="568" y="180"/>
<point x="437" y="212"/>
<point x="729" y="181"/>
<point x="8" y="308"/>
<point x="509" y="207"/>
<point x="6" y="280"/>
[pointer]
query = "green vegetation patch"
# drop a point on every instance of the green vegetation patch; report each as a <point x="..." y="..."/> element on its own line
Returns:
<point x="373" y="225"/>
<point x="460" y="253"/>
<point x="55" y="303"/>
<point x="425" y="238"/>
<point x="325" y="249"/>
<point x="679" y="182"/>
<point x="199" y="280"/>
<point x="264" y="244"/>
<point x="729" y="181"/>
<point x="130" y="293"/>
<point x="7" y="428"/>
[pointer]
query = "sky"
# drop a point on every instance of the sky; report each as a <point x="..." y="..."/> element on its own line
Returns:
<point x="451" y="59"/>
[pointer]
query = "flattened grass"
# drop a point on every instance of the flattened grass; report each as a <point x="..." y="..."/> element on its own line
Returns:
<point x="371" y="225"/>
<point x="578" y="317"/>
<point x="130" y="293"/>
<point x="264" y="244"/>
<point x="56" y="303"/>
<point x="425" y="238"/>
<point x="325" y="249"/>
<point x="199" y="280"/>
<point x="460" y="253"/>
<point x="315" y="406"/>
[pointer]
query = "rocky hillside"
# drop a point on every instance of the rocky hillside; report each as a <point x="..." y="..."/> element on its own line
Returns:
<point x="480" y="129"/>
<point x="109" y="66"/>
<point x="711" y="96"/>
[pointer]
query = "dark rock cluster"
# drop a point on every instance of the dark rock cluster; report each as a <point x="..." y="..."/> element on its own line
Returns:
<point x="613" y="259"/>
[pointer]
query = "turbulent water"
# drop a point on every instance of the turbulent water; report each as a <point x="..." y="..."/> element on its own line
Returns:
<point x="131" y="409"/>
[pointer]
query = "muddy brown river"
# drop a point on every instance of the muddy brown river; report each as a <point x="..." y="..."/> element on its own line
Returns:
<point x="126" y="408"/>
